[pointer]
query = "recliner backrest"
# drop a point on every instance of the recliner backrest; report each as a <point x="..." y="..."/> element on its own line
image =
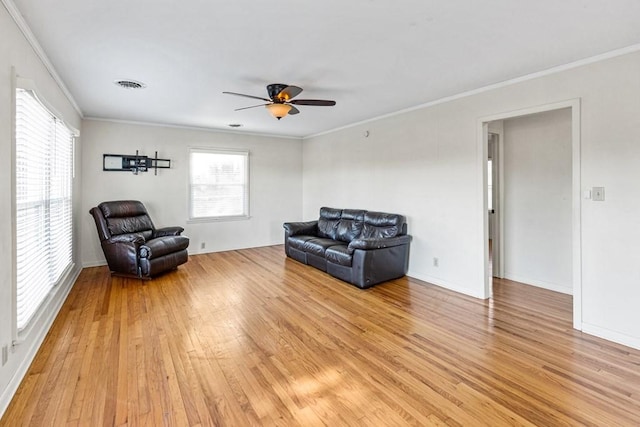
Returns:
<point x="127" y="216"/>
<point x="380" y="225"/>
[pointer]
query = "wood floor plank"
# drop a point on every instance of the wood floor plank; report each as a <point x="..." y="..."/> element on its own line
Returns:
<point x="249" y="337"/>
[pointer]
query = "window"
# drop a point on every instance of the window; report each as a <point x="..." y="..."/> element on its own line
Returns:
<point x="43" y="182"/>
<point x="219" y="184"/>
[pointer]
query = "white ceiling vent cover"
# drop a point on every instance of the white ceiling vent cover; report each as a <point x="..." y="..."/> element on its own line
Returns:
<point x="130" y="84"/>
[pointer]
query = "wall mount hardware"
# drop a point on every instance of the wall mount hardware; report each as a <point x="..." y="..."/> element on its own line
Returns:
<point x="133" y="163"/>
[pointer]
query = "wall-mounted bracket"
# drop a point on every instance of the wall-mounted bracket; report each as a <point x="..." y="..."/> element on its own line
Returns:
<point x="134" y="163"/>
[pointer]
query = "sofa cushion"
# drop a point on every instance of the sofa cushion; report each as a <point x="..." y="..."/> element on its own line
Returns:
<point x="298" y="242"/>
<point x="339" y="254"/>
<point x="380" y="225"/>
<point x="328" y="222"/>
<point x="350" y="225"/>
<point x="318" y="246"/>
<point x="315" y="246"/>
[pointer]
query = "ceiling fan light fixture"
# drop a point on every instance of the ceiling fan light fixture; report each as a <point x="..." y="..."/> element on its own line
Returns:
<point x="278" y="110"/>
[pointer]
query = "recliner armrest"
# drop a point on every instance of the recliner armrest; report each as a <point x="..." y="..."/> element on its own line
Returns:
<point x="373" y="243"/>
<point x="297" y="228"/>
<point x="127" y="238"/>
<point x="155" y="248"/>
<point x="167" y="231"/>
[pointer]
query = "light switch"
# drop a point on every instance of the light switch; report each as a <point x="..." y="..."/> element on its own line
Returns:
<point x="586" y="194"/>
<point x="598" y="194"/>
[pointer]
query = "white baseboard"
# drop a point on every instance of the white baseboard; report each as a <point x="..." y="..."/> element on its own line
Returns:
<point x="617" y="337"/>
<point x="89" y="264"/>
<point x="540" y="283"/>
<point x="444" y="284"/>
<point x="28" y="349"/>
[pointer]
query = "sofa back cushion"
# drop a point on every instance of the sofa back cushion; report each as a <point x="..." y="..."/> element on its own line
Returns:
<point x="380" y="225"/>
<point x="127" y="216"/>
<point x="340" y="224"/>
<point x="328" y="222"/>
<point x="350" y="225"/>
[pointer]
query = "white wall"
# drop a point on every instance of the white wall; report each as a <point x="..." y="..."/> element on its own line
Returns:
<point x="537" y="200"/>
<point x="16" y="52"/>
<point x="425" y="164"/>
<point x="275" y="184"/>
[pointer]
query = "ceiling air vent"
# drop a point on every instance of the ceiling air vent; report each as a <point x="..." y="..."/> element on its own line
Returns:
<point x="130" y="84"/>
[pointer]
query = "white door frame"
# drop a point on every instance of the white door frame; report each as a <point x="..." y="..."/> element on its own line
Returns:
<point x="576" y="246"/>
<point x="498" y="195"/>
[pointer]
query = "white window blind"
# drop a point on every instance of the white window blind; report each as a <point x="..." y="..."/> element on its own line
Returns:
<point x="44" y="149"/>
<point x="219" y="184"/>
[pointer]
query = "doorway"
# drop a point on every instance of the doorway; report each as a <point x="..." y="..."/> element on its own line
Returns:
<point x="494" y="265"/>
<point x="494" y="202"/>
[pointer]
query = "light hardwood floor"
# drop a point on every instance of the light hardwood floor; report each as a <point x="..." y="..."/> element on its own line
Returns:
<point x="249" y="337"/>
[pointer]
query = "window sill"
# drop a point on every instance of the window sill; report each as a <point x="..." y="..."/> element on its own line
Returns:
<point x="218" y="219"/>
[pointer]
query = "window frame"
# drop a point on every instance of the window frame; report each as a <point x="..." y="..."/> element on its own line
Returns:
<point x="246" y="194"/>
<point x="24" y="321"/>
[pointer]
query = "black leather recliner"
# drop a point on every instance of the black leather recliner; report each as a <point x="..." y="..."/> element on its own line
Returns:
<point x="132" y="245"/>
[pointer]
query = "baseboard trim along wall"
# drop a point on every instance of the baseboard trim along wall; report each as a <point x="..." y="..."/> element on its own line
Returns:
<point x="444" y="284"/>
<point x="564" y="289"/>
<point x="37" y="336"/>
<point x="616" y="337"/>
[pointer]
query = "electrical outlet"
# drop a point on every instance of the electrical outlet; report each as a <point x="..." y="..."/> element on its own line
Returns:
<point x="435" y="262"/>
<point x="202" y="245"/>
<point x="5" y="354"/>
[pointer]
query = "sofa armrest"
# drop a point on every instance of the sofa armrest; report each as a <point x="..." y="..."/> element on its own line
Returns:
<point x="372" y="243"/>
<point x="297" y="228"/>
<point x="127" y="238"/>
<point x="167" y="231"/>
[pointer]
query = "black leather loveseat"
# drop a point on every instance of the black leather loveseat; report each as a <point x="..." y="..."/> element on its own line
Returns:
<point x="360" y="247"/>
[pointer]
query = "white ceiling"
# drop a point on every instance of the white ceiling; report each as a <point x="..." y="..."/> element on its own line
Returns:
<point x="373" y="57"/>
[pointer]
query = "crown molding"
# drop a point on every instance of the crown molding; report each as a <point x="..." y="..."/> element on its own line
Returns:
<point x="37" y="48"/>
<point x="193" y="128"/>
<point x="532" y="76"/>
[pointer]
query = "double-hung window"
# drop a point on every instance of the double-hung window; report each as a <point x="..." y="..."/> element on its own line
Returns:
<point x="218" y="184"/>
<point x="43" y="203"/>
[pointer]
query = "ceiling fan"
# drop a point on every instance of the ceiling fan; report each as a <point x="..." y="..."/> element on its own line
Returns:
<point x="281" y="100"/>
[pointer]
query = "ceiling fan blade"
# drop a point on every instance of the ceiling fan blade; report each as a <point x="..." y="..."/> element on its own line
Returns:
<point x="253" y="106"/>
<point x="247" y="96"/>
<point x="321" y="102"/>
<point x="289" y="92"/>
<point x="293" y="110"/>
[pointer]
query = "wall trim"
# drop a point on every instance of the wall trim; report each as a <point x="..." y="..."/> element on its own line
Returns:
<point x="90" y="264"/>
<point x="505" y="83"/>
<point x="430" y="280"/>
<point x="195" y="128"/>
<point x="556" y="287"/>
<point x="37" y="48"/>
<point x="37" y="337"/>
<point x="609" y="335"/>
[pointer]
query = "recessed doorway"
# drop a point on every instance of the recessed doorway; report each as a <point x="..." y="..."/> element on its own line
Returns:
<point x="494" y="223"/>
